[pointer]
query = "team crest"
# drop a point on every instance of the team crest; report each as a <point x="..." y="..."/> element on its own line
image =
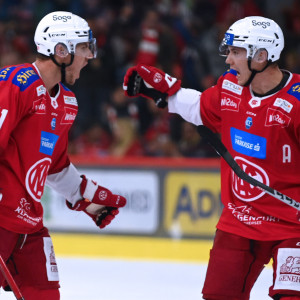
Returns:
<point x="254" y="102"/>
<point x="244" y="190"/>
<point x="36" y="178"/>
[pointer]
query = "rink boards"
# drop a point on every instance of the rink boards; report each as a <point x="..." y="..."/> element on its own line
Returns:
<point x="126" y="247"/>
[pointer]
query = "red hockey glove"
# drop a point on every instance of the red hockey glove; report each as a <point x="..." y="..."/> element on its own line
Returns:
<point x="98" y="202"/>
<point x="150" y="82"/>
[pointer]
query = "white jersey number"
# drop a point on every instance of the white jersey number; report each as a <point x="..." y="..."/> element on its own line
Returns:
<point x="3" y="114"/>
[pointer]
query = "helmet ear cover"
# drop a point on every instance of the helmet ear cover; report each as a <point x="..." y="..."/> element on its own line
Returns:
<point x="61" y="50"/>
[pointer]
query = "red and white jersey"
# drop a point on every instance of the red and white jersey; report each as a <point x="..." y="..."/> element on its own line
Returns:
<point x="263" y="136"/>
<point x="33" y="143"/>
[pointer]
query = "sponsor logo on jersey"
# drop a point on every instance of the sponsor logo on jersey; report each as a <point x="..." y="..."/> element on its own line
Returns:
<point x="248" y="122"/>
<point x="70" y="100"/>
<point x="36" y="178"/>
<point x="41" y="90"/>
<point x="288" y="269"/>
<point x="39" y="106"/>
<point x="229" y="102"/>
<point x="244" y="190"/>
<point x="295" y="90"/>
<point x="4" y="73"/>
<point x="285" y="105"/>
<point x="69" y="116"/>
<point x="23" y="211"/>
<point x="248" y="144"/>
<point x="243" y="214"/>
<point x="233" y="87"/>
<point x="276" y="117"/>
<point x="24" y="78"/>
<point x="53" y="123"/>
<point x="254" y="102"/>
<point x="48" y="141"/>
<point x="250" y="113"/>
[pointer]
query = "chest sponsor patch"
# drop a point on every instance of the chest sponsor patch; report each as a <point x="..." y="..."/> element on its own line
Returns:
<point x="41" y="90"/>
<point x="229" y="102"/>
<point x="295" y="90"/>
<point x="276" y="117"/>
<point x="70" y="100"/>
<point x="39" y="106"/>
<point x="248" y="144"/>
<point x="244" y="190"/>
<point x="48" y="141"/>
<point x="69" y="116"/>
<point x="284" y="104"/>
<point x="232" y="87"/>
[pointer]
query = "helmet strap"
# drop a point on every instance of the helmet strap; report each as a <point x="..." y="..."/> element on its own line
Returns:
<point x="254" y="72"/>
<point x="62" y="66"/>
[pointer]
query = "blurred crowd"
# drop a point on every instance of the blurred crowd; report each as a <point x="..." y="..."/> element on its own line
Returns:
<point x="179" y="36"/>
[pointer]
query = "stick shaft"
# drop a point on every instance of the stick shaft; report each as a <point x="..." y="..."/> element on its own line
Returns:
<point x="220" y="148"/>
<point x="8" y="277"/>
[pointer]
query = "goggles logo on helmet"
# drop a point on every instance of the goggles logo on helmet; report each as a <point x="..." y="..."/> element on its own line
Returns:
<point x="61" y="18"/>
<point x="262" y="24"/>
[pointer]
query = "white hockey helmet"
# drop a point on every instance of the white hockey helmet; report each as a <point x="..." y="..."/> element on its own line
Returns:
<point x="62" y="27"/>
<point x="254" y="33"/>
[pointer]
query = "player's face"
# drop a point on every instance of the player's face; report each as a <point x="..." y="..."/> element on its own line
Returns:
<point x="81" y="58"/>
<point x="237" y="59"/>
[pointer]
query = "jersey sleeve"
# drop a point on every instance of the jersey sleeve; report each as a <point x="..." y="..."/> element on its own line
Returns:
<point x="210" y="108"/>
<point x="198" y="108"/>
<point x="67" y="183"/>
<point x="186" y="103"/>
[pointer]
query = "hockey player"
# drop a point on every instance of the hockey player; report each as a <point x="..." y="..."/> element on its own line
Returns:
<point x="255" y="106"/>
<point x="36" y="113"/>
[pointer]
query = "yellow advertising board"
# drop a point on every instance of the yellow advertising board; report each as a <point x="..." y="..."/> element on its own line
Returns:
<point x="192" y="203"/>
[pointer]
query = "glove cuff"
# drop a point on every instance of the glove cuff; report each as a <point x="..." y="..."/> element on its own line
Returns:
<point x="88" y="188"/>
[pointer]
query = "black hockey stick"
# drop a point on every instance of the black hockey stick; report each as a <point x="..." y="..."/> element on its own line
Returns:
<point x="219" y="147"/>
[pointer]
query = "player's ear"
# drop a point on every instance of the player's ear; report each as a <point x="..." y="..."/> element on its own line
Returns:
<point x="61" y="50"/>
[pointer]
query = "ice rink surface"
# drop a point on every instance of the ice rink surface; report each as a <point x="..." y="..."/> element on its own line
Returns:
<point x="115" y="279"/>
